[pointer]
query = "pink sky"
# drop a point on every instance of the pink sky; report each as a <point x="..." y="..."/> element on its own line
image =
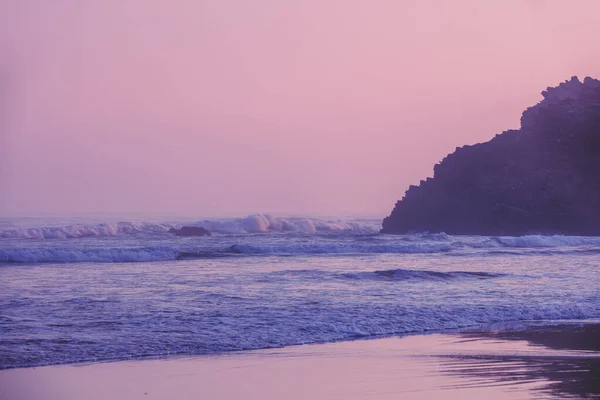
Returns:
<point x="226" y="107"/>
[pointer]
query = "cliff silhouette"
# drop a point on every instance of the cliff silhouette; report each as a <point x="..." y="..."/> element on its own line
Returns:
<point x="541" y="179"/>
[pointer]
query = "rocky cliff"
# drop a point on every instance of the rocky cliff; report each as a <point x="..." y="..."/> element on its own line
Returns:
<point x="541" y="179"/>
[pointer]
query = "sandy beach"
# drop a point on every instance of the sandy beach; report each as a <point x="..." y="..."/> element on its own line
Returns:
<point x="523" y="363"/>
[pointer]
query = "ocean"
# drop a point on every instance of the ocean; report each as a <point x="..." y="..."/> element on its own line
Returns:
<point x="90" y="289"/>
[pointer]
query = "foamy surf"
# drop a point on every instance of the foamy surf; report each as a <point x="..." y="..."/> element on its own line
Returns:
<point x="166" y="247"/>
<point x="257" y="223"/>
<point x="67" y="290"/>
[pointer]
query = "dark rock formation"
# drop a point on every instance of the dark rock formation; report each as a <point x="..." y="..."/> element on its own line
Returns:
<point x="190" y="231"/>
<point x="541" y="179"/>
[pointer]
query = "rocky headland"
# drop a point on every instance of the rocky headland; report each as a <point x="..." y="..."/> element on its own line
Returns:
<point x="543" y="178"/>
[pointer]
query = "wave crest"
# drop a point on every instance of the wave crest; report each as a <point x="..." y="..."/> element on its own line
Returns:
<point x="258" y="223"/>
<point x="263" y="223"/>
<point x="340" y="248"/>
<point x="84" y="231"/>
<point x="73" y="255"/>
<point x="167" y="253"/>
<point x="545" y="241"/>
<point x="420" y="275"/>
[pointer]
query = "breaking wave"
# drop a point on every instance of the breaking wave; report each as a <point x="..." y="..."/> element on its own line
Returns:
<point x="258" y="223"/>
<point x="72" y="255"/>
<point x="166" y="253"/>
<point x="262" y="223"/>
<point x="420" y="275"/>
<point x="86" y="231"/>
<point x="257" y="235"/>
<point x="287" y="247"/>
<point x="353" y="247"/>
<point x="546" y="241"/>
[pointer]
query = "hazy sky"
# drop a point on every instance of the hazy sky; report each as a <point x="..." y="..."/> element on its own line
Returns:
<point x="284" y="106"/>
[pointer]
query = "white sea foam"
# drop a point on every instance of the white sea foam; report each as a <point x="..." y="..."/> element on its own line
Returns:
<point x="73" y="255"/>
<point x="263" y="223"/>
<point x="294" y="248"/>
<point x="419" y="275"/>
<point x="82" y="231"/>
<point x="258" y="223"/>
<point x="165" y="253"/>
<point x="340" y="248"/>
<point x="258" y="234"/>
<point x="250" y="300"/>
<point x="546" y="241"/>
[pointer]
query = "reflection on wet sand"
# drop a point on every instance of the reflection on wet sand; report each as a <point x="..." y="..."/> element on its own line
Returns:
<point x="541" y="362"/>
<point x="572" y="372"/>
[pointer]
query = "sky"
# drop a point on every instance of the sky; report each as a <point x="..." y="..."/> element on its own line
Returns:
<point x="217" y="108"/>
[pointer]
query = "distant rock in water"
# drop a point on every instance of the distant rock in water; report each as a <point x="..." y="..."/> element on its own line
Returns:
<point x="190" y="231"/>
<point x="541" y="179"/>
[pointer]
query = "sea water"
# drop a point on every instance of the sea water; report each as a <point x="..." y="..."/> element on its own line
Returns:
<point x="92" y="289"/>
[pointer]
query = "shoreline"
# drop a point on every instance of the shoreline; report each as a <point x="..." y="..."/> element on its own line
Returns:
<point x="548" y="359"/>
<point x="477" y="330"/>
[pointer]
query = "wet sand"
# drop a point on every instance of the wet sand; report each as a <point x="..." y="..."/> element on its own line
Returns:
<point x="539" y="362"/>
